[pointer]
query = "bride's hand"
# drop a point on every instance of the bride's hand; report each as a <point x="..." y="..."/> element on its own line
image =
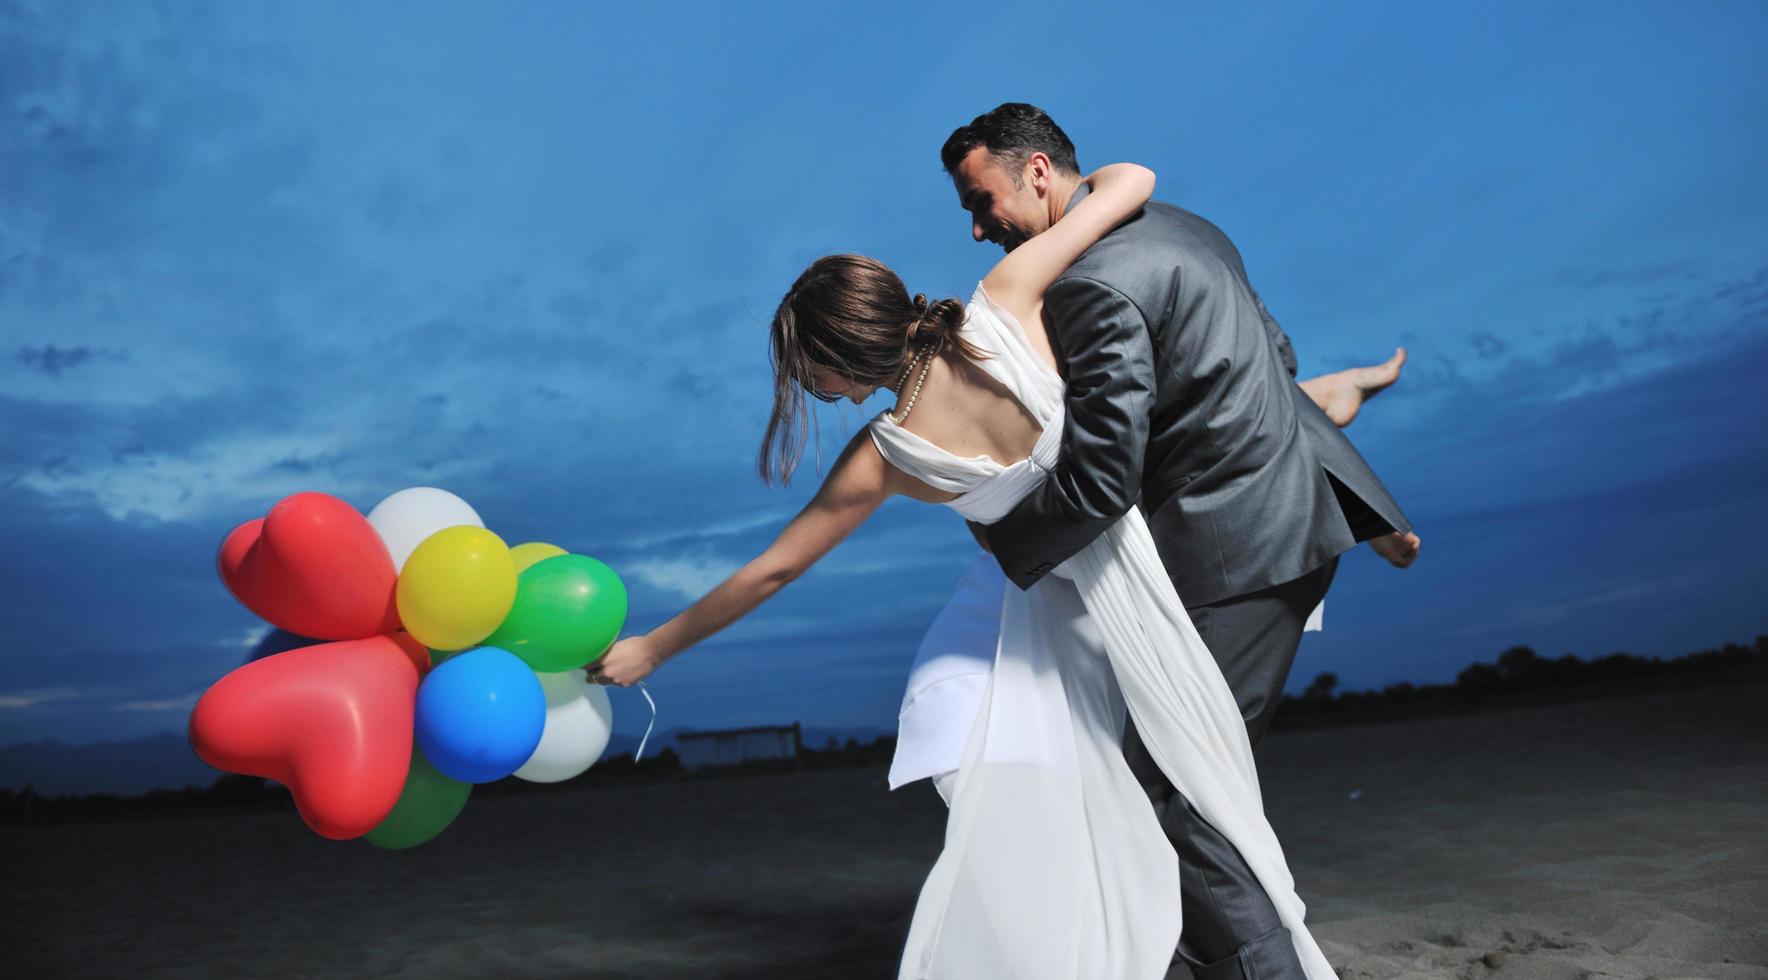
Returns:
<point x="1400" y="550"/>
<point x="627" y="662"/>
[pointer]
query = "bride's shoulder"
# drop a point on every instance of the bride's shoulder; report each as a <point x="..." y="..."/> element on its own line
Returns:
<point x="1009" y="329"/>
<point x="982" y="306"/>
<point x="1000" y="317"/>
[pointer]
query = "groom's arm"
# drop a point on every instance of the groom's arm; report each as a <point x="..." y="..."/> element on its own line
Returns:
<point x="1110" y="391"/>
<point x="1284" y="349"/>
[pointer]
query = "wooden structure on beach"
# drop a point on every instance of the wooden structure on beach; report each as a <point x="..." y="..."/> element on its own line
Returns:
<point x="735" y="746"/>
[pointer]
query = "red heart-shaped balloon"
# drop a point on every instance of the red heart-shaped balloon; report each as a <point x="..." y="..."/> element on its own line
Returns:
<point x="331" y="722"/>
<point x="314" y="567"/>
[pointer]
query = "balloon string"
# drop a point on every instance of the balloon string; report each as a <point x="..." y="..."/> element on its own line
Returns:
<point x="653" y="723"/>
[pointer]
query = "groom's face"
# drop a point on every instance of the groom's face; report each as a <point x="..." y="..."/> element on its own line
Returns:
<point x="1005" y="207"/>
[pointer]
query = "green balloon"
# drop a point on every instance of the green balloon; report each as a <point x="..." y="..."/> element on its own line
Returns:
<point x="427" y="805"/>
<point x="568" y="611"/>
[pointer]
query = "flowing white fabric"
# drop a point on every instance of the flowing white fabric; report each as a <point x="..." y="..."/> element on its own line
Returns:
<point x="949" y="676"/>
<point x="1054" y="864"/>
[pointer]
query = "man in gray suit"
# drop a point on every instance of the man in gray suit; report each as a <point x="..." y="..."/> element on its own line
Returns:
<point x="1181" y="400"/>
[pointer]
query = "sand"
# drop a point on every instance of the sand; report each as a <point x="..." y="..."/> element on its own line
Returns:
<point x="1613" y="838"/>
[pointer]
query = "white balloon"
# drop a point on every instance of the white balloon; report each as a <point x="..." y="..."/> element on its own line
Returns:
<point x="406" y="518"/>
<point x="579" y="721"/>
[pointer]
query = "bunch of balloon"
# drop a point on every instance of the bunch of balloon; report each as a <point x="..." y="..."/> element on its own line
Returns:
<point x="452" y="660"/>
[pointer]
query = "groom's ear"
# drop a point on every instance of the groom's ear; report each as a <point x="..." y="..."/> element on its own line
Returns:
<point x="1039" y="170"/>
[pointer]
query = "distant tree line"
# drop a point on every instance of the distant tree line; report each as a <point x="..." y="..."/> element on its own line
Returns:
<point x="1521" y="677"/>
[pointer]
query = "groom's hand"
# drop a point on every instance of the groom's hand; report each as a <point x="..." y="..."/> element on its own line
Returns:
<point x="980" y="533"/>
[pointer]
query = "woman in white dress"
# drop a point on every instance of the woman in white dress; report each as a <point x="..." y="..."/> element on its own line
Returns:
<point x="1054" y="864"/>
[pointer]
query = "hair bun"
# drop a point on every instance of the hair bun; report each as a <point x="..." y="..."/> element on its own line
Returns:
<point x="942" y="319"/>
<point x="934" y="321"/>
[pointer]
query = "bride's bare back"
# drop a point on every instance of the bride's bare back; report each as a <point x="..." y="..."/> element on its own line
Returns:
<point x="963" y="410"/>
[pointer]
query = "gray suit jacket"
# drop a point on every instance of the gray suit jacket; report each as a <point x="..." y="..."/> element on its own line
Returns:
<point x="1182" y="400"/>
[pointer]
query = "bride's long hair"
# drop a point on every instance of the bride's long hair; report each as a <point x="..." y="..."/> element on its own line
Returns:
<point x="850" y="315"/>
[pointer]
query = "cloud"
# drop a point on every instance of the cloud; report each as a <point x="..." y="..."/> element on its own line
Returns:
<point x="52" y="360"/>
<point x="1588" y="414"/>
<point x="182" y="704"/>
<point x="687" y="577"/>
<point x="1582" y="598"/>
<point x="236" y="474"/>
<point x="36" y="697"/>
<point x="1488" y="346"/>
<point x="245" y="639"/>
<point x="678" y="537"/>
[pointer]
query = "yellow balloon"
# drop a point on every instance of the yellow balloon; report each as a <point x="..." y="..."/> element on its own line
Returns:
<point x="527" y="554"/>
<point x="456" y="587"/>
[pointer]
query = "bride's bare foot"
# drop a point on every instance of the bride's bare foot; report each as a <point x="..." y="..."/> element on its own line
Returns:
<point x="1400" y="550"/>
<point x="1341" y="395"/>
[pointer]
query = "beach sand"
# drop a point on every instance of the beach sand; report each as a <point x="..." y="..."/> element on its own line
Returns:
<point x="1624" y="837"/>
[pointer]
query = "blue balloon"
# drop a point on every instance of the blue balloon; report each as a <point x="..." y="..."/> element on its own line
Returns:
<point x="480" y="715"/>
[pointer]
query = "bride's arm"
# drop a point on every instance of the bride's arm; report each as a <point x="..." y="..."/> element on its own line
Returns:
<point x="858" y="483"/>
<point x="1118" y="191"/>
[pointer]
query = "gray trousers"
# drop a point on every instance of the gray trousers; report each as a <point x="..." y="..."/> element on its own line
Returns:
<point x="1232" y="931"/>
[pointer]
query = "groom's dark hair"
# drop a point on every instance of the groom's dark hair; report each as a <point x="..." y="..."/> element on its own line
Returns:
<point x="1012" y="131"/>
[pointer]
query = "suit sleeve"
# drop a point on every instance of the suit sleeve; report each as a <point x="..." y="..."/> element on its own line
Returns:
<point x="1110" y="391"/>
<point x="1278" y="337"/>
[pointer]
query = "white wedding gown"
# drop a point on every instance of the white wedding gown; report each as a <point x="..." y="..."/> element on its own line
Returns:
<point x="1054" y="864"/>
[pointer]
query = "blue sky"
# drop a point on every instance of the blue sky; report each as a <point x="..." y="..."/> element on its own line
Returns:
<point x="527" y="252"/>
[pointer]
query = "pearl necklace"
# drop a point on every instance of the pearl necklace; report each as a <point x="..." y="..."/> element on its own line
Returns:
<point x="908" y="407"/>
